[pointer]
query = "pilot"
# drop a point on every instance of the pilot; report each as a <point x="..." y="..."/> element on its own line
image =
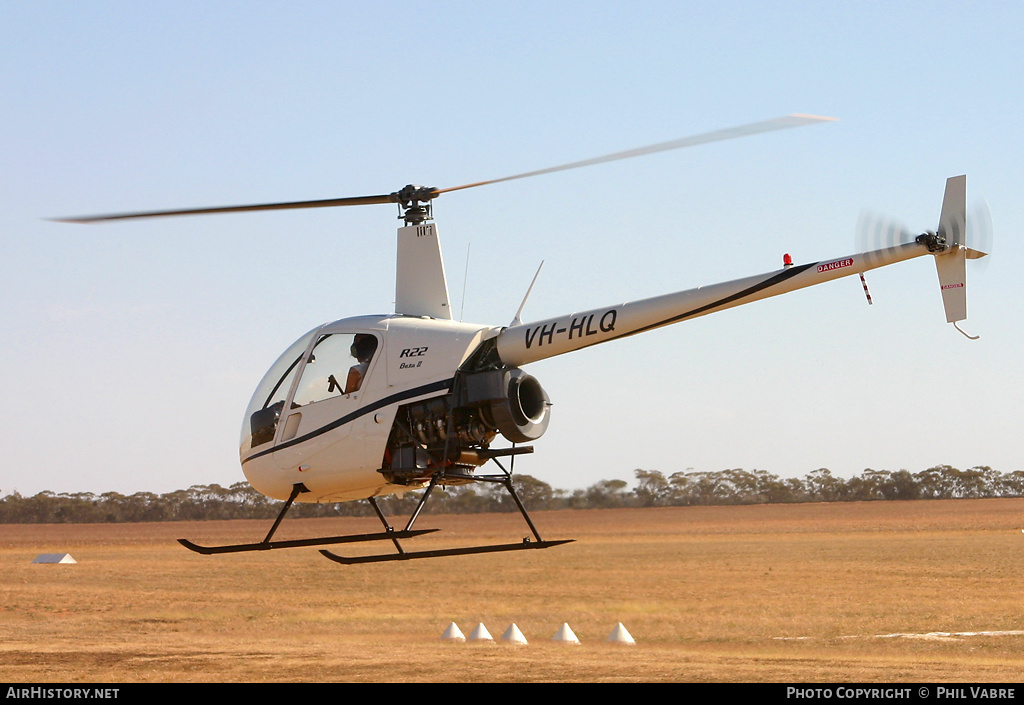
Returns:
<point x="363" y="348"/>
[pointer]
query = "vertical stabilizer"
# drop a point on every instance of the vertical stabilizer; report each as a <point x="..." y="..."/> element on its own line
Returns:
<point x="952" y="269"/>
<point x="951" y="264"/>
<point x="421" y="288"/>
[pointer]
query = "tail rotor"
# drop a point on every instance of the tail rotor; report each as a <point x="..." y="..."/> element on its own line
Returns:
<point x="961" y="236"/>
<point x="878" y="235"/>
<point x="979" y="232"/>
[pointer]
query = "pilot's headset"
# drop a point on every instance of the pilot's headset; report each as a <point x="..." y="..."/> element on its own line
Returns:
<point x="363" y="347"/>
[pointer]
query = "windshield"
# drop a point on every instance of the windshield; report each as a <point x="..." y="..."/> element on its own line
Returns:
<point x="265" y="406"/>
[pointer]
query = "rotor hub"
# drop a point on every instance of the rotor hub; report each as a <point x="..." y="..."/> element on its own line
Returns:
<point x="936" y="242"/>
<point x="414" y="203"/>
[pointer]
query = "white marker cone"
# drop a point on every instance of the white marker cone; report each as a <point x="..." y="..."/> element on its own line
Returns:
<point x="619" y="635"/>
<point x="453" y="633"/>
<point x="54" y="558"/>
<point x="565" y="634"/>
<point x="513" y="635"/>
<point x="480" y="634"/>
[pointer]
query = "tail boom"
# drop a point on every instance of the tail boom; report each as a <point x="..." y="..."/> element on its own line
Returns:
<point x="529" y="342"/>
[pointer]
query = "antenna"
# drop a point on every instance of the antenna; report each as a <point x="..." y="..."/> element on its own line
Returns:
<point x="465" y="276"/>
<point x="518" y="319"/>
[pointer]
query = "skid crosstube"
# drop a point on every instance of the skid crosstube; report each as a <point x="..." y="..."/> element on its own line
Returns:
<point x="505" y="479"/>
<point x="464" y="551"/>
<point x="390" y="534"/>
<point x="321" y="541"/>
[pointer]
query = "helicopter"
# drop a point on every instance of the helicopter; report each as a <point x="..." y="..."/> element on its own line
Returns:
<point x="373" y="405"/>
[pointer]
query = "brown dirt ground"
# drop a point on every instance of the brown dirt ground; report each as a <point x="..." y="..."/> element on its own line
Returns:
<point x="926" y="591"/>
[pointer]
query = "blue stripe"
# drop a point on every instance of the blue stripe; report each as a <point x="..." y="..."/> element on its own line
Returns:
<point x="442" y="386"/>
<point x="708" y="308"/>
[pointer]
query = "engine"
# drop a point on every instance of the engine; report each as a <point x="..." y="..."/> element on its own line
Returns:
<point x="457" y="429"/>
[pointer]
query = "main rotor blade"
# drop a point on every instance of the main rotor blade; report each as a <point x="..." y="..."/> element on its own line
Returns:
<point x="414" y="194"/>
<point x="781" y="123"/>
<point x="326" y="203"/>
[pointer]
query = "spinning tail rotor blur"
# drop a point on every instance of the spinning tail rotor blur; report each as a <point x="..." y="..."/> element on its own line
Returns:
<point x="961" y="235"/>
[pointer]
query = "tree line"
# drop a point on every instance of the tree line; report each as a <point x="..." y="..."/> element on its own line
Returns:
<point x="651" y="489"/>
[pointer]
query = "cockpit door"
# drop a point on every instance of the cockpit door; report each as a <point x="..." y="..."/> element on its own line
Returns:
<point x="323" y="409"/>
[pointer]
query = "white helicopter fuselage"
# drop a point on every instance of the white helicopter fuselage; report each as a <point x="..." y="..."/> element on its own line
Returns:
<point x="334" y="445"/>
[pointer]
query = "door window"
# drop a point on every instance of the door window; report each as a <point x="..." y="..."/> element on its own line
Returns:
<point x="337" y="366"/>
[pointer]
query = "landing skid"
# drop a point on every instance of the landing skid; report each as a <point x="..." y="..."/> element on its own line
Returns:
<point x="324" y="540"/>
<point x="403" y="555"/>
<point x="390" y="534"/>
<point x="468" y="550"/>
<point x="267" y="545"/>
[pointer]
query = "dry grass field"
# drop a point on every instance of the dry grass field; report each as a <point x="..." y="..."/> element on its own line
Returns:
<point x="926" y="591"/>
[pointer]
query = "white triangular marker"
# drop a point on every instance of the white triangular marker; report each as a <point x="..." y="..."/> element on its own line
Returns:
<point x="513" y="635"/>
<point x="619" y="635"/>
<point x="453" y="633"/>
<point x="481" y="634"/>
<point x="54" y="558"/>
<point x="565" y="634"/>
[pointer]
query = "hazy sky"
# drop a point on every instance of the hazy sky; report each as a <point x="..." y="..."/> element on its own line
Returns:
<point x="129" y="350"/>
